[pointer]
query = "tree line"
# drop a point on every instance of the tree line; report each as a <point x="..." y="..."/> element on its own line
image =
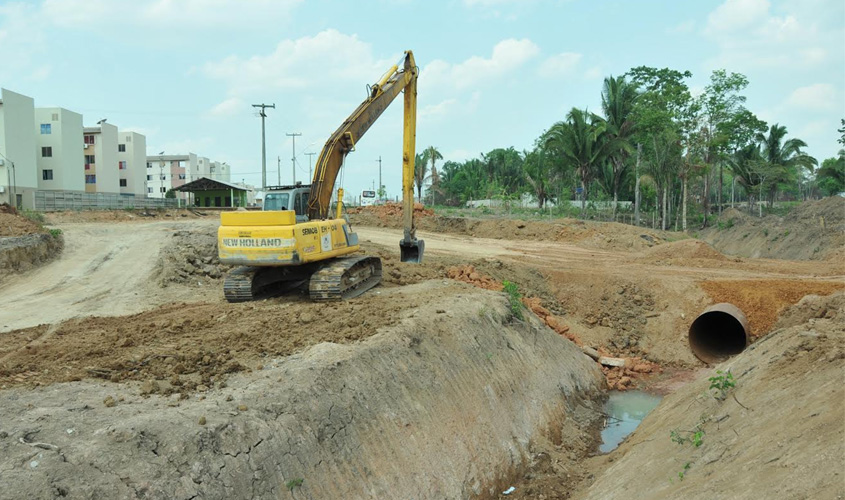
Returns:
<point x="653" y="143"/>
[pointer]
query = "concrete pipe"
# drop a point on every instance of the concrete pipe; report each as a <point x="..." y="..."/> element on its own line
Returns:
<point x="718" y="333"/>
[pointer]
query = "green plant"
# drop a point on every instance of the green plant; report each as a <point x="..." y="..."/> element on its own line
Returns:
<point x="294" y="483"/>
<point x="33" y="216"/>
<point x="765" y="231"/>
<point x="682" y="473"/>
<point x="722" y="382"/>
<point x="514" y="298"/>
<point x="55" y="233"/>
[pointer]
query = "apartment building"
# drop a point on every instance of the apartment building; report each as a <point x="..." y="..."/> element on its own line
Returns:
<point x="59" y="149"/>
<point x="102" y="170"/>
<point x="18" y="166"/>
<point x="132" y="160"/>
<point x="165" y="172"/>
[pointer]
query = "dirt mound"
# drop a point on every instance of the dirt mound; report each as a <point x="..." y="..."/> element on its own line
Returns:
<point x="183" y="346"/>
<point x="5" y="208"/>
<point x="12" y="224"/>
<point x="832" y="209"/>
<point x="188" y="256"/>
<point x="137" y="215"/>
<point x="762" y="301"/>
<point x="681" y="251"/>
<point x="796" y="448"/>
<point x="813" y="230"/>
<point x="468" y="274"/>
<point x="598" y="235"/>
<point x="391" y="210"/>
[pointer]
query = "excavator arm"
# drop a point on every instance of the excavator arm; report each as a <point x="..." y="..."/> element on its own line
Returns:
<point x="401" y="76"/>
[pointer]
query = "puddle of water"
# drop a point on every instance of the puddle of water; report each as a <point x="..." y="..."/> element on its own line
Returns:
<point x="628" y="409"/>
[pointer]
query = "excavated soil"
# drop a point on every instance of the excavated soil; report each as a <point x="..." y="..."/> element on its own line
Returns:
<point x="762" y="301"/>
<point x="181" y="347"/>
<point x="189" y="256"/>
<point x="606" y="236"/>
<point x="12" y="224"/>
<point x="123" y="216"/>
<point x="814" y="230"/>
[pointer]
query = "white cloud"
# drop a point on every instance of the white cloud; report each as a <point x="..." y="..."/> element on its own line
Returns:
<point x="229" y="107"/>
<point x="508" y="55"/>
<point x="593" y="73"/>
<point x="560" y="64"/>
<point x="324" y="59"/>
<point x="189" y="15"/>
<point x="750" y="35"/>
<point x="450" y="108"/>
<point x="817" y="97"/>
<point x="737" y="14"/>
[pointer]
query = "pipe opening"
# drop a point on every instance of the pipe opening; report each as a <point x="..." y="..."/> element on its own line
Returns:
<point x="718" y="333"/>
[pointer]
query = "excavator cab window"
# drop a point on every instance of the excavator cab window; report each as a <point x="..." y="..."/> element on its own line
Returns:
<point x="277" y="201"/>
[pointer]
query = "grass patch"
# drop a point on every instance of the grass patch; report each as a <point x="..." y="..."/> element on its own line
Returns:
<point x="514" y="298"/>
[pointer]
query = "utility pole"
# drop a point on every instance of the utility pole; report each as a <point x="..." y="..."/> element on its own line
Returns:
<point x="279" y="169"/>
<point x="263" y="146"/>
<point x="294" y="135"/>
<point x="637" y="187"/>
<point x="161" y="176"/>
<point x="310" y="175"/>
<point x="380" y="185"/>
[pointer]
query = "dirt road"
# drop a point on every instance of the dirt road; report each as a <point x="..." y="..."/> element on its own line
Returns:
<point x="103" y="271"/>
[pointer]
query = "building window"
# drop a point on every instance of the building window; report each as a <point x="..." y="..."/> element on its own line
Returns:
<point x="89" y="161"/>
<point x="149" y="165"/>
<point x="149" y="177"/>
<point x="128" y="138"/>
<point x="121" y="148"/>
<point x="163" y="190"/>
<point x="89" y="139"/>
<point x="46" y="152"/>
<point x="46" y="129"/>
<point x="55" y="117"/>
<point x="164" y="177"/>
<point x="121" y="165"/>
<point x="123" y="183"/>
<point x="149" y="190"/>
<point x="47" y="175"/>
<point x="90" y="179"/>
<point x="182" y="176"/>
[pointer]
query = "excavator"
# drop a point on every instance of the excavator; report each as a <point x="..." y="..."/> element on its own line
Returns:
<point x="298" y="238"/>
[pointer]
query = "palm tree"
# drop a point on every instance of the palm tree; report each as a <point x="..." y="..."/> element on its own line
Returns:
<point x="433" y="155"/>
<point x="782" y="158"/>
<point x="617" y="102"/>
<point x="420" y="168"/>
<point x="582" y="141"/>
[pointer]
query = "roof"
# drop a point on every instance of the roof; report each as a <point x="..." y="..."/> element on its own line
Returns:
<point x="206" y="184"/>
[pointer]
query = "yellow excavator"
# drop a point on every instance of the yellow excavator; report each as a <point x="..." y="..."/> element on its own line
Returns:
<point x="297" y="238"/>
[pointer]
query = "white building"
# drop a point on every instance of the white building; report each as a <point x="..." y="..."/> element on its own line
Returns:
<point x="165" y="172"/>
<point x="132" y="163"/>
<point x="59" y="149"/>
<point x="18" y="166"/>
<point x="102" y="171"/>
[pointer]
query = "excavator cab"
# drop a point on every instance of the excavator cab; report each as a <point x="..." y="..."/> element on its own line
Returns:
<point x="289" y="198"/>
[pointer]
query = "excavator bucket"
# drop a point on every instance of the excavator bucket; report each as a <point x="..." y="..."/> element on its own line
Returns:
<point x="411" y="250"/>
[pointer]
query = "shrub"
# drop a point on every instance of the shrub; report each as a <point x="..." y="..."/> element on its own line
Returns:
<point x="514" y="298"/>
<point x="55" y="233"/>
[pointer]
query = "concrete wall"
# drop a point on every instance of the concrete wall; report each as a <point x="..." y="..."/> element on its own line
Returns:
<point x="135" y="156"/>
<point x="65" y="139"/>
<point x="17" y="144"/>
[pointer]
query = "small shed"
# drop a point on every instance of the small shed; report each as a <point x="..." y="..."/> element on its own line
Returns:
<point x="212" y="193"/>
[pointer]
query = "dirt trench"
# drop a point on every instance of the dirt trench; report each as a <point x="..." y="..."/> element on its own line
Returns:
<point x="777" y="433"/>
<point x="446" y="404"/>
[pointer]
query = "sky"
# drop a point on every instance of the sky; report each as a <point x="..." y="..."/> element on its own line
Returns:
<point x="493" y="73"/>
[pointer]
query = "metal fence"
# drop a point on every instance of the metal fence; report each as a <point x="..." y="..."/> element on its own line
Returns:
<point x="48" y="201"/>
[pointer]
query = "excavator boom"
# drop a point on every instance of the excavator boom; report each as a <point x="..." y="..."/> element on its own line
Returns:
<point x="402" y="76"/>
